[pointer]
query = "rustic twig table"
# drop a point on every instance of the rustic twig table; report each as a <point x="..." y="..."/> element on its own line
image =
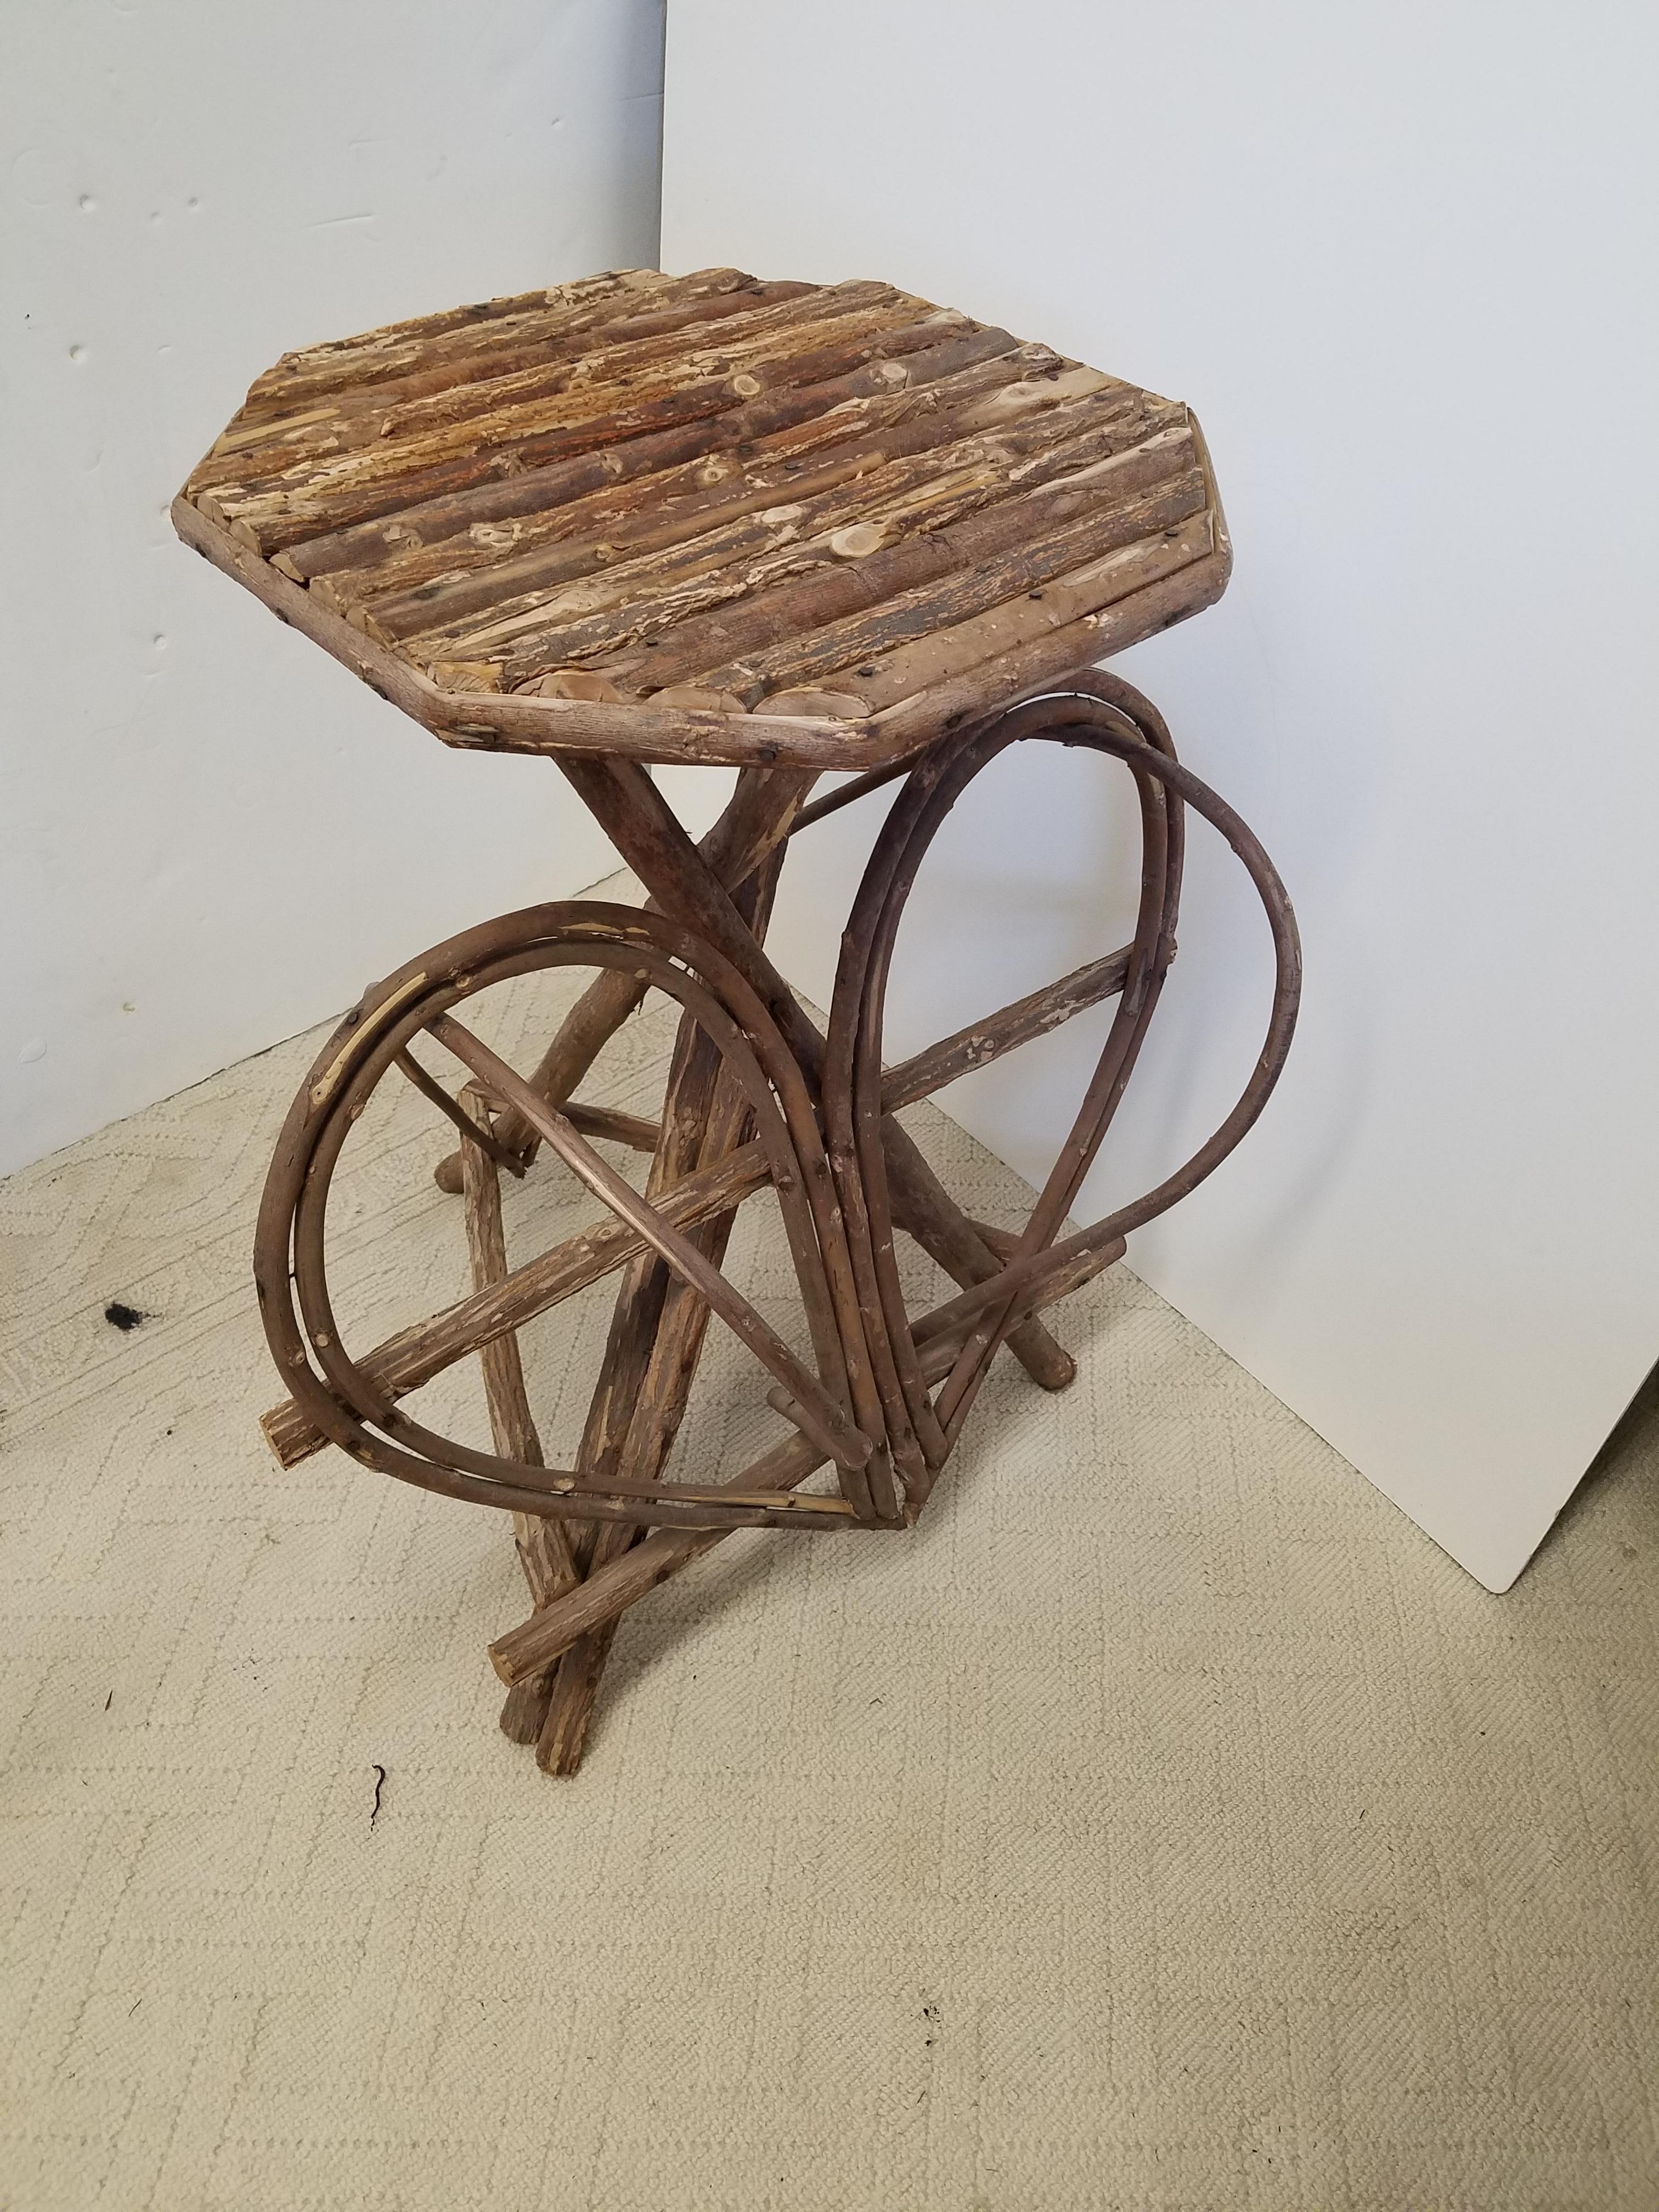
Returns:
<point x="783" y="527"/>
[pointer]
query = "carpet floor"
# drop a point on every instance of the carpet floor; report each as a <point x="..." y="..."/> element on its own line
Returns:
<point x="1163" y="1823"/>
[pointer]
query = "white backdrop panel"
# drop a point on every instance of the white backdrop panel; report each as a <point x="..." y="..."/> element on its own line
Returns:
<point x="1391" y="256"/>
<point x="210" y="836"/>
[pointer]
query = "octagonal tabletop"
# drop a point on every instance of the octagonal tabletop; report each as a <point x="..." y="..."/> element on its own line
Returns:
<point x="707" y="517"/>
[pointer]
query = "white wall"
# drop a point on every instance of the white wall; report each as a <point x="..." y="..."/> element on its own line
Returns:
<point x="1400" y="258"/>
<point x="210" y="836"/>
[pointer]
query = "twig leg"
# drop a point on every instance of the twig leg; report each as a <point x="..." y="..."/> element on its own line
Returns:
<point x="544" y="1550"/>
<point x="925" y="1210"/>
<point x="658" y="1327"/>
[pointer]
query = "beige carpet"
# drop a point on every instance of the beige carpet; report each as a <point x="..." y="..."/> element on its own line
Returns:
<point x="1163" y="1823"/>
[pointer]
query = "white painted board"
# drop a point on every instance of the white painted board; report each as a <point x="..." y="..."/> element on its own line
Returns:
<point x="1399" y="258"/>
<point x="210" y="836"/>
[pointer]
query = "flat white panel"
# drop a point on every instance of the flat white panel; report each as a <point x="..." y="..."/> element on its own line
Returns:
<point x="210" y="836"/>
<point x="1399" y="259"/>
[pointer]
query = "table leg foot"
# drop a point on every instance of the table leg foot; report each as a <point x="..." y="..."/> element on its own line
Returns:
<point x="562" y="1736"/>
<point x="524" y="1711"/>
